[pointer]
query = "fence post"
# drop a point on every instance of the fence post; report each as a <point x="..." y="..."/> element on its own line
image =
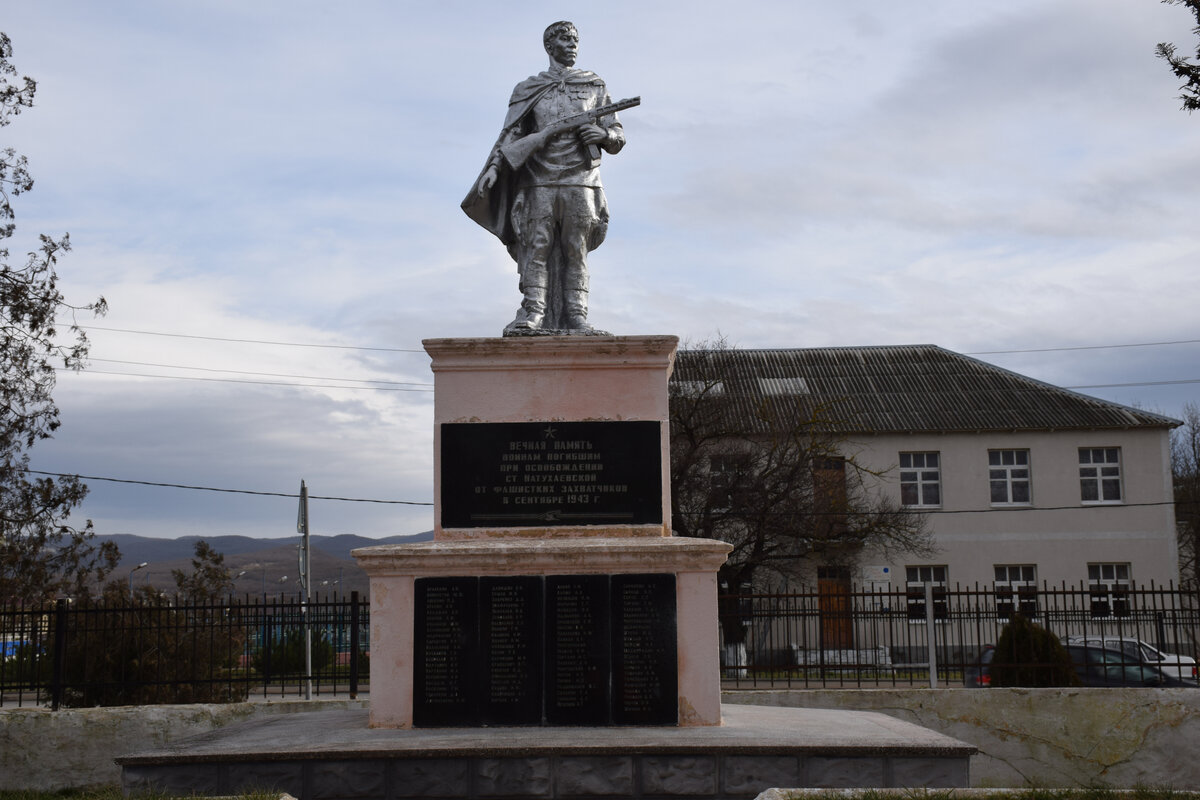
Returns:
<point x="266" y="670"/>
<point x="354" y="645"/>
<point x="931" y="635"/>
<point x="60" y="654"/>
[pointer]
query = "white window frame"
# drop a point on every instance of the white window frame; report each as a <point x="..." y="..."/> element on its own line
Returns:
<point x="1108" y="588"/>
<point x="916" y="576"/>
<point x="1015" y="587"/>
<point x="1012" y="468"/>
<point x="922" y="471"/>
<point x="1100" y="469"/>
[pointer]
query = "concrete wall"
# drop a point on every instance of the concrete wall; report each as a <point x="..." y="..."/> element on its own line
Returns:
<point x="1026" y="737"/>
<point x="1041" y="737"/>
<point x="50" y="750"/>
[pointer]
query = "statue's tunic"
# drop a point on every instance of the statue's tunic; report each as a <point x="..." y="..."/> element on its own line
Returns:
<point x="549" y="211"/>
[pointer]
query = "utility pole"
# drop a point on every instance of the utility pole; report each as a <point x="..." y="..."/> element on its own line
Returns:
<point x="305" y="583"/>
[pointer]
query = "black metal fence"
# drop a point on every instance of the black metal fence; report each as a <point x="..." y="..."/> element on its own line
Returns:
<point x="835" y="637"/>
<point x="846" y="637"/>
<point x="88" y="654"/>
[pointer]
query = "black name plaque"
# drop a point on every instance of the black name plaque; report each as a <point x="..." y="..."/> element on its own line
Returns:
<point x="539" y="474"/>
<point x="545" y="650"/>
<point x="509" y="671"/>
<point x="447" y="642"/>
<point x="578" y="659"/>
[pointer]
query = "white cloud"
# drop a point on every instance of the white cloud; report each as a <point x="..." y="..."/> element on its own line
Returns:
<point x="981" y="177"/>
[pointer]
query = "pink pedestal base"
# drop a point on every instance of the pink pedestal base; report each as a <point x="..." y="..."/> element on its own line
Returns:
<point x="394" y="568"/>
<point x="548" y="379"/>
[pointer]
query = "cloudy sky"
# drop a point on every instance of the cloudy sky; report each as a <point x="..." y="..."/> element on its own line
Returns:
<point x="987" y="177"/>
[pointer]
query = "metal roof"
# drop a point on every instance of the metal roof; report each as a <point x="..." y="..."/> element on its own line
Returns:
<point x="899" y="389"/>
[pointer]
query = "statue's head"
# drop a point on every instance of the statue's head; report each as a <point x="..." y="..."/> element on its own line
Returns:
<point x="561" y="41"/>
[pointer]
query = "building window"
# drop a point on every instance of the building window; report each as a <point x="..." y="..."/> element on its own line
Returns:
<point x="728" y="475"/>
<point x="920" y="479"/>
<point x="1016" y="590"/>
<point x="1008" y="475"/>
<point x="919" y="575"/>
<point x="1109" y="585"/>
<point x="1100" y="474"/>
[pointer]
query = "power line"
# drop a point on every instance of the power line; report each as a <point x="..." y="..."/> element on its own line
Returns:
<point x="234" y="380"/>
<point x="1081" y="347"/>
<point x="414" y="350"/>
<point x="252" y="341"/>
<point x="1143" y="383"/>
<point x="927" y="512"/>
<point x="1181" y="382"/>
<point x="226" y="491"/>
<point x="1027" y="509"/>
<point x="265" y="374"/>
<point x="937" y="512"/>
<point x="398" y="388"/>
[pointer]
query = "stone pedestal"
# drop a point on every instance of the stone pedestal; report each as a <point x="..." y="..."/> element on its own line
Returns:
<point x="394" y="570"/>
<point x="551" y="461"/>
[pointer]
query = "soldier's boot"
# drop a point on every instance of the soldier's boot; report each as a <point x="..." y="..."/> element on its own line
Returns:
<point x="533" y="309"/>
<point x="577" y="309"/>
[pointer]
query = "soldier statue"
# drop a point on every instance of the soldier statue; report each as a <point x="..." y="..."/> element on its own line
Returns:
<point x="540" y="191"/>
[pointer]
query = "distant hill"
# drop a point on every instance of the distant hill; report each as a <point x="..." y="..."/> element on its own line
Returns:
<point x="259" y="566"/>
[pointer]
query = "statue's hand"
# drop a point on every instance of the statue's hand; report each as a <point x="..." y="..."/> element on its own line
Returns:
<point x="592" y="134"/>
<point x="488" y="180"/>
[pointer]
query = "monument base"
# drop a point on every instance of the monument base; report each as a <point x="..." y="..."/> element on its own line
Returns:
<point x="333" y="754"/>
<point x="395" y="571"/>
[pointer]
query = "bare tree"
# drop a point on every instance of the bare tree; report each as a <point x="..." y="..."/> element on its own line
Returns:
<point x="1185" y="467"/>
<point x="774" y="476"/>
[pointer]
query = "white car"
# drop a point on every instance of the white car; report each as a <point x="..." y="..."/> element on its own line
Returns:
<point x="1136" y="650"/>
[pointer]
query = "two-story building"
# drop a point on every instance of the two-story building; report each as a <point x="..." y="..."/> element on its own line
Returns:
<point x="1024" y="483"/>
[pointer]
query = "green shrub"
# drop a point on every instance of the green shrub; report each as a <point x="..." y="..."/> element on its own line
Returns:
<point x="287" y="654"/>
<point x="1029" y="655"/>
<point x="148" y="651"/>
<point x="27" y="666"/>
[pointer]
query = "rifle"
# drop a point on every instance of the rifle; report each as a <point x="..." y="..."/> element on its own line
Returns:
<point x="516" y="153"/>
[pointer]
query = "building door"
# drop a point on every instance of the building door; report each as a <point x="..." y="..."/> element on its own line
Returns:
<point x="835" y="605"/>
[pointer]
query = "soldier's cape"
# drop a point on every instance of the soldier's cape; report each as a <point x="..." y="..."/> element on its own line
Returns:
<point x="492" y="210"/>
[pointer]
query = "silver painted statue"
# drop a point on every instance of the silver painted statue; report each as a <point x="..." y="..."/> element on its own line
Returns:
<point x="540" y="191"/>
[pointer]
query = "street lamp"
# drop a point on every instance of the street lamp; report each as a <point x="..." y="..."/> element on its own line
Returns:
<point x="135" y="569"/>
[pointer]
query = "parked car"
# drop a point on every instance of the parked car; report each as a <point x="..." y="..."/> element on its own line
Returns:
<point x="1182" y="667"/>
<point x="978" y="673"/>
<point x="1102" y="666"/>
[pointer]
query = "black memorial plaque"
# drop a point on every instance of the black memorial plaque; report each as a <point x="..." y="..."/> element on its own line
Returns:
<point x="577" y="650"/>
<point x="510" y="638"/>
<point x="446" y="633"/>
<point x="645" y="669"/>
<point x="557" y="650"/>
<point x="539" y="474"/>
